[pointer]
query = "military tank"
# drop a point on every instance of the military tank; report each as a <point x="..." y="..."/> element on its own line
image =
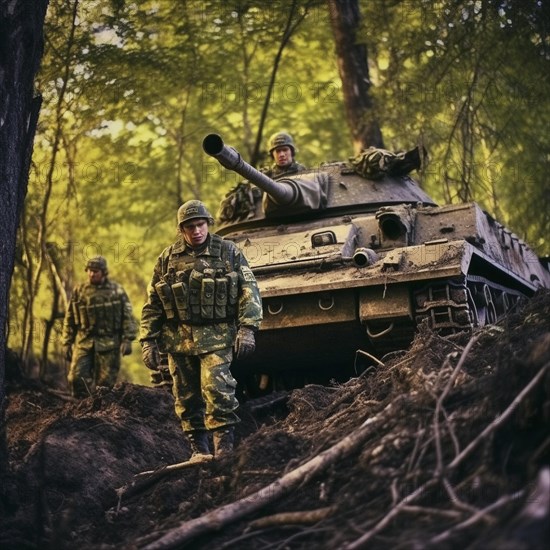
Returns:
<point x="350" y="259"/>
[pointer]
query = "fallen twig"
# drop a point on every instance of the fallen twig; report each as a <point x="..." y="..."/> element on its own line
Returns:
<point x="474" y="518"/>
<point x="444" y="393"/>
<point x="143" y="480"/>
<point x="62" y="395"/>
<point x="224" y="515"/>
<point x="307" y="517"/>
<point x="407" y="500"/>
<point x="199" y="459"/>
<point x="497" y="422"/>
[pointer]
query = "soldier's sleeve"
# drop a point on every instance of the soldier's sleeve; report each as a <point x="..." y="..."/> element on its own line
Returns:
<point x="152" y="313"/>
<point x="69" y="323"/>
<point x="129" y="323"/>
<point x="250" y="301"/>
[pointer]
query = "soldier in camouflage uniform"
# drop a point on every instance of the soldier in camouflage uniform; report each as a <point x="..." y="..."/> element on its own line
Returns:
<point x="99" y="326"/>
<point x="282" y="150"/>
<point x="203" y="306"/>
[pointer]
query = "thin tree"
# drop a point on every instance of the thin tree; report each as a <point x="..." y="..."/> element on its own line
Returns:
<point x="353" y="67"/>
<point x="36" y="267"/>
<point x="293" y="21"/>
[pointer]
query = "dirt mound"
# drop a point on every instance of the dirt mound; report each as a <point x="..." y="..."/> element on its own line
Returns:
<point x="446" y="445"/>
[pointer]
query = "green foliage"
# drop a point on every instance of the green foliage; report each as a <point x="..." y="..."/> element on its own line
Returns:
<point x="131" y="88"/>
<point x="469" y="78"/>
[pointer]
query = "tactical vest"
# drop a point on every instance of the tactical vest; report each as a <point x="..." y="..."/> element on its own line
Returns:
<point x="200" y="290"/>
<point x="98" y="309"/>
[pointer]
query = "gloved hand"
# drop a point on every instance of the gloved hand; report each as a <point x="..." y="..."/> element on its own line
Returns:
<point x="150" y="354"/>
<point x="245" y="343"/>
<point x="68" y="352"/>
<point x="125" y="347"/>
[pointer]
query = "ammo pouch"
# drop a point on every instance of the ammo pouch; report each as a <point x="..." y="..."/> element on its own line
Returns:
<point x="116" y="314"/>
<point x="83" y="315"/>
<point x="207" y="297"/>
<point x="181" y="291"/>
<point x="207" y="294"/>
<point x="232" y="293"/>
<point x="220" y="297"/>
<point x="99" y="311"/>
<point x="90" y="314"/>
<point x="101" y="316"/>
<point x="166" y="297"/>
<point x="105" y="315"/>
<point x="76" y="313"/>
<point x="195" y="285"/>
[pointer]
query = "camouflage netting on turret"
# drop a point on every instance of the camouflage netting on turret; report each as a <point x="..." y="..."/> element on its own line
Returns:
<point x="240" y="202"/>
<point x="375" y="163"/>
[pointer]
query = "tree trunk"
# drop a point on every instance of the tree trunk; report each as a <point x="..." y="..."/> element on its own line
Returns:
<point x="354" y="73"/>
<point x="21" y="47"/>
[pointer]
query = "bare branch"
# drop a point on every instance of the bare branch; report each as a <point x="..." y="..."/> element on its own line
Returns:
<point x="218" y="518"/>
<point x="307" y="517"/>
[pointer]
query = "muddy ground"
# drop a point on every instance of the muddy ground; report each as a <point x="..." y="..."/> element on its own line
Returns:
<point x="446" y="445"/>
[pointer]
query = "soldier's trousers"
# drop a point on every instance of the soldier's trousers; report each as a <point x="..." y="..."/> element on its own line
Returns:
<point x="204" y="390"/>
<point x="90" y="368"/>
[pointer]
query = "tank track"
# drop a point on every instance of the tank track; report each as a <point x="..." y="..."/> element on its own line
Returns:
<point x="456" y="305"/>
<point x="448" y="306"/>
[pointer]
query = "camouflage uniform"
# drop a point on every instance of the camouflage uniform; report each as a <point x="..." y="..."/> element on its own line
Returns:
<point x="196" y="300"/>
<point x="98" y="319"/>
<point x="274" y="171"/>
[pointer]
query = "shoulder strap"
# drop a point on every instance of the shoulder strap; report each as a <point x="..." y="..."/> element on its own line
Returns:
<point x="216" y="243"/>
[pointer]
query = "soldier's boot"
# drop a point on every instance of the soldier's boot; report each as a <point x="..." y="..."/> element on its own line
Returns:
<point x="200" y="447"/>
<point x="223" y="441"/>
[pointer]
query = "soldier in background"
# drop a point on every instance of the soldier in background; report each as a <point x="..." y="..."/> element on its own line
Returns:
<point x="203" y="307"/>
<point x="283" y="151"/>
<point x="99" y="326"/>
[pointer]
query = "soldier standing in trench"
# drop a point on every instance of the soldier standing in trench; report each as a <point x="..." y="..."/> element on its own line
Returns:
<point x="203" y="306"/>
<point x="98" y="327"/>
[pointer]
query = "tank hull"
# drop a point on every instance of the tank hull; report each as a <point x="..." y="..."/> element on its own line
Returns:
<point x="325" y="317"/>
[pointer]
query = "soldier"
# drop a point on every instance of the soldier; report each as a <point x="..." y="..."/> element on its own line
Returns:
<point x="99" y="325"/>
<point x="203" y="307"/>
<point x="282" y="151"/>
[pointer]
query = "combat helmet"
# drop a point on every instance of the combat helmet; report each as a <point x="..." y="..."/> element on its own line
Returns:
<point x="280" y="139"/>
<point x="97" y="262"/>
<point x="193" y="209"/>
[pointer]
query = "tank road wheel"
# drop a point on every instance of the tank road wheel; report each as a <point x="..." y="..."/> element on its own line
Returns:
<point x="502" y="303"/>
<point x="505" y="301"/>
<point x="485" y="306"/>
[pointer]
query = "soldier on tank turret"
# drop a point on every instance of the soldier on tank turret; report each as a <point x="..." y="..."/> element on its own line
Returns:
<point x="283" y="151"/>
<point x="99" y="326"/>
<point x="288" y="193"/>
<point x="203" y="308"/>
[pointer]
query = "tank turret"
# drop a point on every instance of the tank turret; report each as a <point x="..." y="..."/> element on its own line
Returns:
<point x="351" y="256"/>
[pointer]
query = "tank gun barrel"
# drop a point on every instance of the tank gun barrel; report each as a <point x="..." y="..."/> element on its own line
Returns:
<point x="283" y="192"/>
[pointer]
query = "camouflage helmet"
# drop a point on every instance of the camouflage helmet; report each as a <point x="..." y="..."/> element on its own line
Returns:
<point x="97" y="262"/>
<point x="281" y="139"/>
<point x="193" y="209"/>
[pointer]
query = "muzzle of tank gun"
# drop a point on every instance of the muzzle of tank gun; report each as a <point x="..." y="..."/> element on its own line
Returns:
<point x="282" y="191"/>
<point x="364" y="257"/>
